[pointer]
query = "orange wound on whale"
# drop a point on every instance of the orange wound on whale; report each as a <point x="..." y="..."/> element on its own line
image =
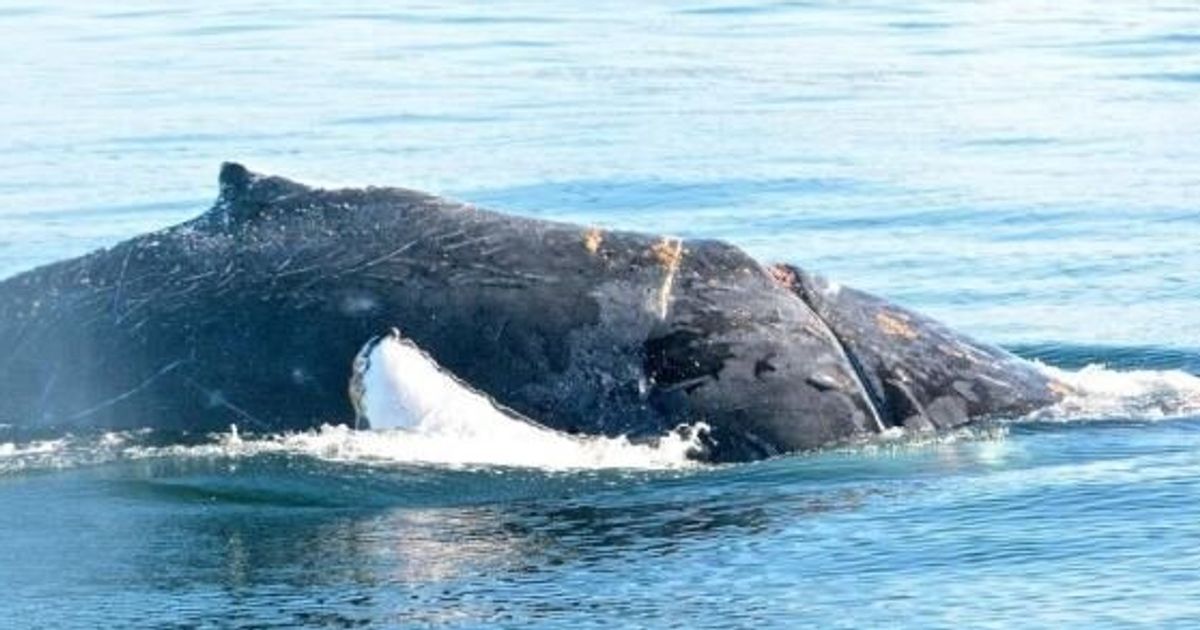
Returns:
<point x="592" y="240"/>
<point x="894" y="325"/>
<point x="668" y="252"/>
<point x="785" y="275"/>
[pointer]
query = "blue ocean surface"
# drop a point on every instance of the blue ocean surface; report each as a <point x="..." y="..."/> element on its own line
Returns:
<point x="1026" y="171"/>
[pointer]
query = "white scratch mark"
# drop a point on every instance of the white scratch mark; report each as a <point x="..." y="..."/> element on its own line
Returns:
<point x="141" y="386"/>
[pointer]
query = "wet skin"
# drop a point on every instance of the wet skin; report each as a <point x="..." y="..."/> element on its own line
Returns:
<point x="253" y="312"/>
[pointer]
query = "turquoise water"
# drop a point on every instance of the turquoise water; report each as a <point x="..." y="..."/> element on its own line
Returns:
<point x="1026" y="171"/>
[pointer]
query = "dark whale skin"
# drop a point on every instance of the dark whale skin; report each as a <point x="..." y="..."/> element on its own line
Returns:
<point x="919" y="373"/>
<point x="252" y="313"/>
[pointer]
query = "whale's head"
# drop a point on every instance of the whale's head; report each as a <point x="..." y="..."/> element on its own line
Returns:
<point x="918" y="373"/>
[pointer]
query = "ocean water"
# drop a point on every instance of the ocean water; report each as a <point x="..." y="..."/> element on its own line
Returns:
<point x="1027" y="171"/>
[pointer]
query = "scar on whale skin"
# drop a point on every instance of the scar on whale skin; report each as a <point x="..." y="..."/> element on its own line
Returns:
<point x="784" y="276"/>
<point x="592" y="239"/>
<point x="894" y="325"/>
<point x="669" y="253"/>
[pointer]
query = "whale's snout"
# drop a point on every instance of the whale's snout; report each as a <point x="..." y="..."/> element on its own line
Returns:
<point x="919" y="373"/>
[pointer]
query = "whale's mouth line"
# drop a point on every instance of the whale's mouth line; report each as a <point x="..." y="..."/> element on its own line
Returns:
<point x="790" y="278"/>
<point x="874" y="398"/>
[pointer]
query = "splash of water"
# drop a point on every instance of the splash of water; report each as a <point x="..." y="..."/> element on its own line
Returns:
<point x="1099" y="392"/>
<point x="65" y="452"/>
<point x="515" y="446"/>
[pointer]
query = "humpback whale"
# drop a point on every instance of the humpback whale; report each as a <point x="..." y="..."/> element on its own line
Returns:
<point x="259" y="313"/>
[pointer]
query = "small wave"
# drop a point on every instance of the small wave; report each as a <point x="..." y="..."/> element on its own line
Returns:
<point x="1075" y="356"/>
<point x="66" y="452"/>
<point x="1098" y="392"/>
<point x="537" y="448"/>
<point x="899" y="441"/>
<point x="13" y="450"/>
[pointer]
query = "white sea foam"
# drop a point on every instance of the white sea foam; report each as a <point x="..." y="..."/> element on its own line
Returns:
<point x="485" y="446"/>
<point x="64" y="452"/>
<point x="11" y="450"/>
<point x="488" y="446"/>
<point x="1098" y="392"/>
